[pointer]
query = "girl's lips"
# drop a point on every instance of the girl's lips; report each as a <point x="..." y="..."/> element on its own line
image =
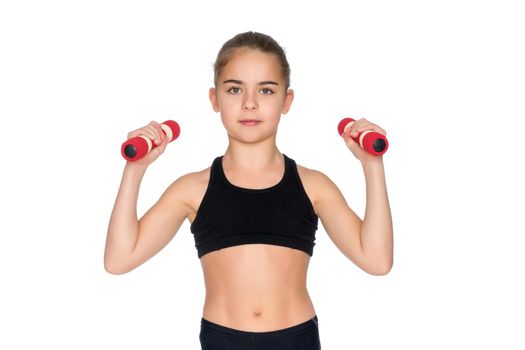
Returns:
<point x="249" y="122"/>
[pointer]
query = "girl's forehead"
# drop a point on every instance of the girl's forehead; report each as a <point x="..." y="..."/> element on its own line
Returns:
<point x="252" y="63"/>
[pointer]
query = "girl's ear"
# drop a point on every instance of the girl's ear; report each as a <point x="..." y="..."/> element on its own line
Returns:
<point x="213" y="99"/>
<point x="288" y="99"/>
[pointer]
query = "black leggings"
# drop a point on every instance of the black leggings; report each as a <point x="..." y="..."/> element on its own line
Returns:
<point x="304" y="336"/>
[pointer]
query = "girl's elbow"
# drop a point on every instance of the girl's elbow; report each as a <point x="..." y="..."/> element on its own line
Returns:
<point x="116" y="269"/>
<point x="380" y="269"/>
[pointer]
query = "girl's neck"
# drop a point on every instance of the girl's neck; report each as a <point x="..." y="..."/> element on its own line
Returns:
<point x="252" y="157"/>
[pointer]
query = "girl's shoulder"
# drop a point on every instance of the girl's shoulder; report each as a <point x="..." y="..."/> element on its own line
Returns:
<point x="193" y="180"/>
<point x="315" y="182"/>
<point x="189" y="188"/>
<point x="309" y="174"/>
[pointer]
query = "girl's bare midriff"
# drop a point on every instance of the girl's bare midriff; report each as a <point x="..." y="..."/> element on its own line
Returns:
<point x="254" y="287"/>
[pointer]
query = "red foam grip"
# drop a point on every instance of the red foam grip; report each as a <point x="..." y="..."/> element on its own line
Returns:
<point x="175" y="128"/>
<point x="342" y="124"/>
<point x="368" y="143"/>
<point x="140" y="145"/>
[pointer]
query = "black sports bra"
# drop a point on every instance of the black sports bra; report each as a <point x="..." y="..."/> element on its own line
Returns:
<point x="230" y="215"/>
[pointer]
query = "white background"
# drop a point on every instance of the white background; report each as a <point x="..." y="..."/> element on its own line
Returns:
<point x="444" y="79"/>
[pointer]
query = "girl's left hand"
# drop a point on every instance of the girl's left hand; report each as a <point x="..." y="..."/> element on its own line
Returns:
<point x="352" y="131"/>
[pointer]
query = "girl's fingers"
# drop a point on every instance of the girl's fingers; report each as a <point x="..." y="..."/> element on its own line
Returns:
<point x="358" y="126"/>
<point x="134" y="133"/>
<point x="147" y="133"/>
<point x="164" y="143"/>
<point x="375" y="128"/>
<point x="153" y="131"/>
<point x="365" y="125"/>
<point x="155" y="124"/>
<point x="156" y="128"/>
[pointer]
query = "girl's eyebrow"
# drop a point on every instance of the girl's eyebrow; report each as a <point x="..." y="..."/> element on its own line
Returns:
<point x="240" y="82"/>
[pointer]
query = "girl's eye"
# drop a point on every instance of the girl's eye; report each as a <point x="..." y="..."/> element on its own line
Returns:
<point x="234" y="90"/>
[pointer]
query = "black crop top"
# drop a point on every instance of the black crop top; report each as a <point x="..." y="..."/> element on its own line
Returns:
<point x="230" y="215"/>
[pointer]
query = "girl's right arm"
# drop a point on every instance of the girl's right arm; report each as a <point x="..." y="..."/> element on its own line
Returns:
<point x="130" y="242"/>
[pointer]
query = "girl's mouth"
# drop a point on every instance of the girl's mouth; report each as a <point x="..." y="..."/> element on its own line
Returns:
<point x="249" y="122"/>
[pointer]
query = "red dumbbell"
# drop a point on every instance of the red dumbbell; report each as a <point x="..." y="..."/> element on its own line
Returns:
<point x="371" y="141"/>
<point x="138" y="146"/>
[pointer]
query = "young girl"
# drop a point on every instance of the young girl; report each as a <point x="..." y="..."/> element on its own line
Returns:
<point x="254" y="212"/>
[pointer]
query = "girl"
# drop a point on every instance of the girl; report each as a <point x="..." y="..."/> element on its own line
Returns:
<point x="254" y="212"/>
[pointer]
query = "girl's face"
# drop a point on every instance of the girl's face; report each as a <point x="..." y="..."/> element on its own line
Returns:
<point x="250" y="95"/>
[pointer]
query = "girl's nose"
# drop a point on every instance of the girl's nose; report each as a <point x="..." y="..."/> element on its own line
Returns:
<point x="249" y="103"/>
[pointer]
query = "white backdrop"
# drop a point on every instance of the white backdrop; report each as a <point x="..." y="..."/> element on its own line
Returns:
<point x="444" y="79"/>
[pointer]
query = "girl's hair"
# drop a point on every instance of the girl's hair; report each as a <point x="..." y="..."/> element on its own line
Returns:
<point x="252" y="40"/>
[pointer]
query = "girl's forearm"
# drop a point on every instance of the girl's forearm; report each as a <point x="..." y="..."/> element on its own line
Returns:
<point x="376" y="230"/>
<point x="123" y="225"/>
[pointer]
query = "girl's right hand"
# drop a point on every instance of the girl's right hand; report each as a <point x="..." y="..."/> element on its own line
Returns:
<point x="155" y="133"/>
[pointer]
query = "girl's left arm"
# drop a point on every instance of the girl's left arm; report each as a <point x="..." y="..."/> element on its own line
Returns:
<point x="368" y="242"/>
<point x="376" y="234"/>
<point x="376" y="230"/>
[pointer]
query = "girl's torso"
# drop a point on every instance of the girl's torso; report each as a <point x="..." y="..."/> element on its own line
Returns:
<point x="254" y="287"/>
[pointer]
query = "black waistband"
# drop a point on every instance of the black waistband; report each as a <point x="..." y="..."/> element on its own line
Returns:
<point x="232" y="331"/>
